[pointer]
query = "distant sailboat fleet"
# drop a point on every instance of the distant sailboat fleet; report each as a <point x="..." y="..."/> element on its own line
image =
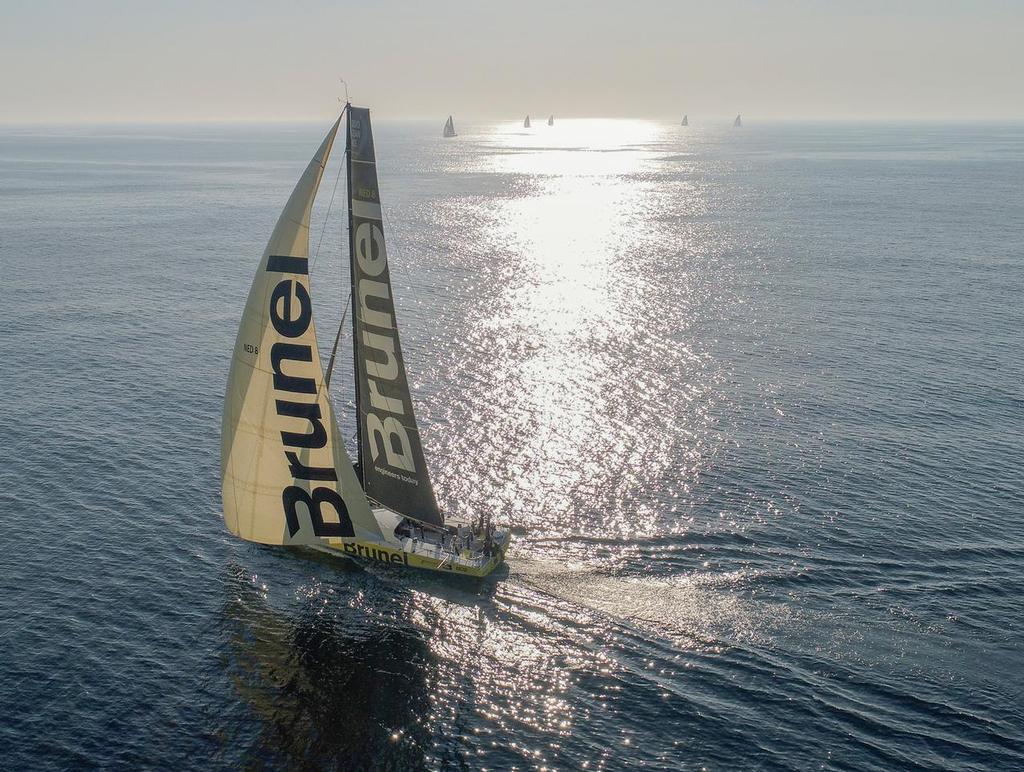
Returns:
<point x="449" y="126"/>
<point x="736" y="124"/>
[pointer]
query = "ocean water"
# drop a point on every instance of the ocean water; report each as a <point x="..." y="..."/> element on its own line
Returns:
<point x="751" y="399"/>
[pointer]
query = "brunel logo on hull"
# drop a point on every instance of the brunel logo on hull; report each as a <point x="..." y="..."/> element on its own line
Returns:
<point x="358" y="550"/>
<point x="291" y="313"/>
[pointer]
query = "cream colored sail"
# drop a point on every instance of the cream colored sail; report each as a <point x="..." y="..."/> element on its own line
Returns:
<point x="287" y="478"/>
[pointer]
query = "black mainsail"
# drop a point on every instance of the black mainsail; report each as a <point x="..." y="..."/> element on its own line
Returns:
<point x="391" y="462"/>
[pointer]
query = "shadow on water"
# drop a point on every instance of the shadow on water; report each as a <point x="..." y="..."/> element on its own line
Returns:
<point x="339" y="674"/>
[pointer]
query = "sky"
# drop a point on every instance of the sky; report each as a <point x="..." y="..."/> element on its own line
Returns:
<point x="109" y="61"/>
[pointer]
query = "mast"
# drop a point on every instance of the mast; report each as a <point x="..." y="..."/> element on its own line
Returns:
<point x="352" y="278"/>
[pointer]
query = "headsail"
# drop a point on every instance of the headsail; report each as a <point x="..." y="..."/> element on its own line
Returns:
<point x="449" y="128"/>
<point x="526" y="123"/>
<point x="286" y="476"/>
<point x="393" y="468"/>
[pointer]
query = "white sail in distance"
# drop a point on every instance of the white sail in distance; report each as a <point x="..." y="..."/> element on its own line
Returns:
<point x="737" y="123"/>
<point x="449" y="128"/>
<point x="686" y="121"/>
<point x="526" y="123"/>
<point x="551" y="120"/>
<point x="286" y="476"/>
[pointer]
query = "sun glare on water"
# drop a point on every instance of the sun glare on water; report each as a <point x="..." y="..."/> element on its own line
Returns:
<point x="576" y="235"/>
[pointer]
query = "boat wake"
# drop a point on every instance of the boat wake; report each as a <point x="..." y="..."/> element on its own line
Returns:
<point x="696" y="609"/>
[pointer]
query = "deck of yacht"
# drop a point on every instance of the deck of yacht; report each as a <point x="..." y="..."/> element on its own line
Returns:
<point x="457" y="543"/>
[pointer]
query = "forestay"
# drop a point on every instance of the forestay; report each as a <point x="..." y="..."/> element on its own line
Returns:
<point x="287" y="478"/>
<point x="394" y="471"/>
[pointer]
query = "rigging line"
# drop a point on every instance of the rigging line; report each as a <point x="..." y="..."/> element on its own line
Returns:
<point x="337" y="338"/>
<point x="396" y="241"/>
<point x="334" y="348"/>
<point x="398" y="251"/>
<point x="395" y="246"/>
<point x="327" y="217"/>
<point x="348" y="300"/>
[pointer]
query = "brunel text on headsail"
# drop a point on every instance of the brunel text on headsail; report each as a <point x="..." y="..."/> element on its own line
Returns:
<point x="291" y="313"/>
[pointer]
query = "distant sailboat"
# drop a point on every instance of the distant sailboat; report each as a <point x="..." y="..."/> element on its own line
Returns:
<point x="686" y="121"/>
<point x="551" y="120"/>
<point x="526" y="123"/>
<point x="449" y="128"/>
<point x="737" y="124"/>
<point x="287" y="477"/>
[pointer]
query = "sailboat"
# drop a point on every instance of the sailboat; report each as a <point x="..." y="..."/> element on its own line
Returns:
<point x="526" y="123"/>
<point x="449" y="128"/>
<point x="686" y="121"/>
<point x="287" y="478"/>
<point x="551" y="120"/>
<point x="737" y="124"/>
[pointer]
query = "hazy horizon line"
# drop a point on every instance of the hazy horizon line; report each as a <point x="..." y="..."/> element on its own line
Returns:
<point x="697" y="118"/>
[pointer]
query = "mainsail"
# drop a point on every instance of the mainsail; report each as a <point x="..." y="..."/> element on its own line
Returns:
<point x="286" y="476"/>
<point x="685" y="122"/>
<point x="526" y="123"/>
<point x="449" y="128"/>
<point x="394" y="471"/>
<point x="737" y="122"/>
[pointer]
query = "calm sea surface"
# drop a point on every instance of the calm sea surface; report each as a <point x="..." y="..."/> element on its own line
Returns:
<point x="751" y="399"/>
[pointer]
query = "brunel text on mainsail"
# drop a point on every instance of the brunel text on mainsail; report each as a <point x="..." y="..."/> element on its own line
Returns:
<point x="383" y="423"/>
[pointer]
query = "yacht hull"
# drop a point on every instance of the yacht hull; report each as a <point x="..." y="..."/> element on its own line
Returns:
<point x="376" y="552"/>
<point x="426" y="554"/>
